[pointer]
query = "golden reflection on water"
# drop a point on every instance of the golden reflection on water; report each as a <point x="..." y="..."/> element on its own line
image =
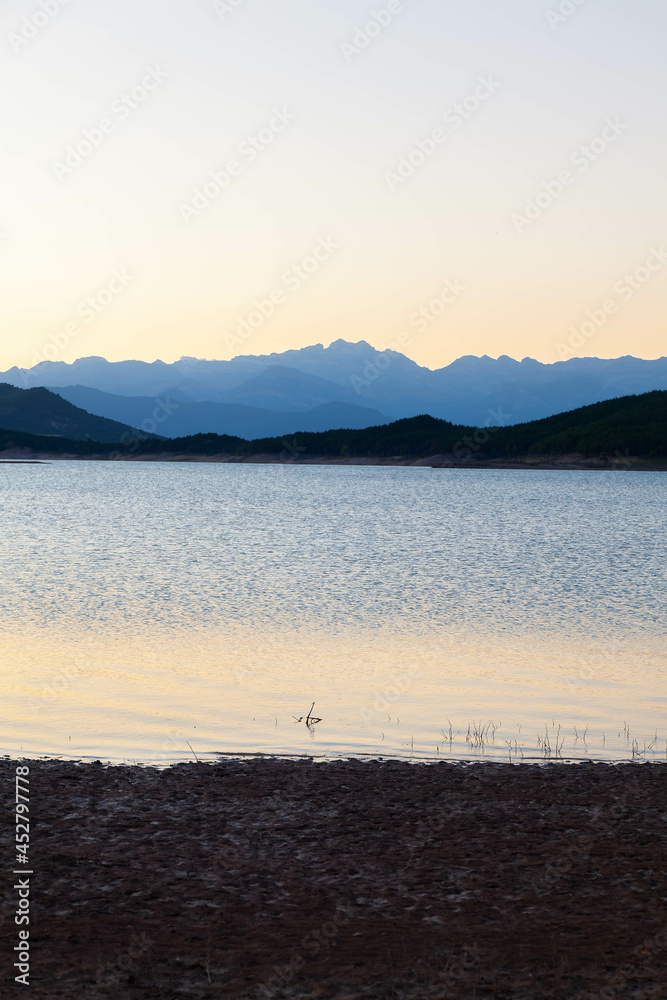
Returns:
<point x="166" y="695"/>
<point x="151" y="607"/>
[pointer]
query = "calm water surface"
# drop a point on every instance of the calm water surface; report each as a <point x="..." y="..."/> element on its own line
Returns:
<point x="153" y="611"/>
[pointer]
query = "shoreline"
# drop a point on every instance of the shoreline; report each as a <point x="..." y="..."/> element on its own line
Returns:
<point x="346" y="879"/>
<point x="213" y="757"/>
<point x="566" y="463"/>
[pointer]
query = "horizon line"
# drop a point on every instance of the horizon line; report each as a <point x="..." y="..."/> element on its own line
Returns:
<point x="340" y="340"/>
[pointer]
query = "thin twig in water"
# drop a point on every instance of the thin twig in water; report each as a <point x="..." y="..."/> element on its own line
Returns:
<point x="190" y="745"/>
<point x="310" y="719"/>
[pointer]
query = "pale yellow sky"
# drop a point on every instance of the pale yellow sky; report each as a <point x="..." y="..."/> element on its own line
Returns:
<point x="365" y="165"/>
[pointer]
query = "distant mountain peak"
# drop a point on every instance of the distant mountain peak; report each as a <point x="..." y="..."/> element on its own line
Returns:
<point x="345" y="345"/>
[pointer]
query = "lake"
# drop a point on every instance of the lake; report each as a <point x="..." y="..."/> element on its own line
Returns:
<point x="155" y="611"/>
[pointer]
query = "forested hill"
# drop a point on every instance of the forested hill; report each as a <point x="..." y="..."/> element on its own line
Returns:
<point x="38" y="411"/>
<point x="629" y="425"/>
<point x="634" y="424"/>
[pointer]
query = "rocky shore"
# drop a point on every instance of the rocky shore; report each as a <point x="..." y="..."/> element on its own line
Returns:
<point x="292" y="879"/>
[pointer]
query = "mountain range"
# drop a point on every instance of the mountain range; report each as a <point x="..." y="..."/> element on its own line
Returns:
<point x="344" y="385"/>
<point x="38" y="411"/>
<point x="170" y="417"/>
<point x="614" y="433"/>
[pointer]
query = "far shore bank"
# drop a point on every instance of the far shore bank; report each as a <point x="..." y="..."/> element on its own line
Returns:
<point x="542" y="463"/>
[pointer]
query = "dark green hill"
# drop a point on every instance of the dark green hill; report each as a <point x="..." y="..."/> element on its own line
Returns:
<point x="631" y="425"/>
<point x="38" y="411"/>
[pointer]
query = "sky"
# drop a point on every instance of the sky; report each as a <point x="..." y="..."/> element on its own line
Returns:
<point x="220" y="177"/>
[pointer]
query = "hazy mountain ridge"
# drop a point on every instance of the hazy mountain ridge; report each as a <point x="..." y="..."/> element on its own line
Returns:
<point x="173" y="417"/>
<point x="38" y="411"/>
<point x="471" y="390"/>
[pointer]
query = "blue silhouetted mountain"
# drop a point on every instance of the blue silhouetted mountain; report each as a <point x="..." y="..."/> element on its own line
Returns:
<point x="38" y="411"/>
<point x="283" y="389"/>
<point x="174" y="417"/>
<point x="471" y="390"/>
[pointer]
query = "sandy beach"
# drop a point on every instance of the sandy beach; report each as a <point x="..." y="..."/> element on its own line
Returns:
<point x="290" y="878"/>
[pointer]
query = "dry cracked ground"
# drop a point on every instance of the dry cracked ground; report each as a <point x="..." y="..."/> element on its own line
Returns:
<point x="341" y="880"/>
